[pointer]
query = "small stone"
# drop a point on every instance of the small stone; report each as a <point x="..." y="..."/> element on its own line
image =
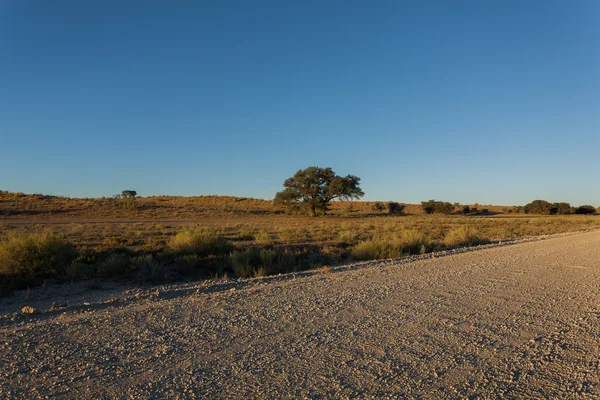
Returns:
<point x="29" y="310"/>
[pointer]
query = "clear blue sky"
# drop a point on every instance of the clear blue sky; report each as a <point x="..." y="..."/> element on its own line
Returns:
<point x="468" y="101"/>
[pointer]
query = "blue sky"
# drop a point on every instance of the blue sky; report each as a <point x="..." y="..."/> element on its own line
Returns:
<point x="465" y="101"/>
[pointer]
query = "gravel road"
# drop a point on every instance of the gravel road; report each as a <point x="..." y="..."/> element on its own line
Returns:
<point x="518" y="321"/>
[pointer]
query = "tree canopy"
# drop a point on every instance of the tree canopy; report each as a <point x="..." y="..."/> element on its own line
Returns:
<point x="434" y="206"/>
<point x="315" y="187"/>
<point x="128" y="194"/>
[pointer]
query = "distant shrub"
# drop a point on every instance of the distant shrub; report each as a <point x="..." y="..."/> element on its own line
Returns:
<point x="440" y="207"/>
<point x="587" y="209"/>
<point x="35" y="255"/>
<point x="466" y="210"/>
<point x="464" y="236"/>
<point x="200" y="243"/>
<point x="395" y="208"/>
<point x="443" y="207"/>
<point x="537" y="207"/>
<point x="428" y="206"/>
<point x="560" y="208"/>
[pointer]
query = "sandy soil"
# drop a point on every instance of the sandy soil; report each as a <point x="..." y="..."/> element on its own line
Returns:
<point x="502" y="322"/>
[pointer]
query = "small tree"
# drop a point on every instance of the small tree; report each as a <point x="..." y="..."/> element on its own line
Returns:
<point x="128" y="194"/>
<point x="537" y="207"/>
<point x="428" y="206"/>
<point x="314" y="188"/>
<point x="466" y="210"/>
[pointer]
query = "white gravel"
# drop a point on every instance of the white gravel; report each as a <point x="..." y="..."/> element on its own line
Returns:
<point x="501" y="322"/>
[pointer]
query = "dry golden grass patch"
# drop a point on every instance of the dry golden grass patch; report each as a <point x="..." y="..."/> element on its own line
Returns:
<point x="201" y="236"/>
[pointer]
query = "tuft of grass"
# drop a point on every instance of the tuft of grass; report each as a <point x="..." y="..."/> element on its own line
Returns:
<point x="200" y="243"/>
<point x="201" y="267"/>
<point x="35" y="255"/>
<point x="242" y="262"/>
<point x="263" y="237"/>
<point x="375" y="249"/>
<point x="333" y="254"/>
<point x="408" y="242"/>
<point x="116" y="264"/>
<point x="261" y="262"/>
<point x="464" y="236"/>
<point x="348" y="236"/>
<point x="293" y="235"/>
<point x="415" y="242"/>
<point x="149" y="269"/>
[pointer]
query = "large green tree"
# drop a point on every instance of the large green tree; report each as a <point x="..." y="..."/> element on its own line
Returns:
<point x="314" y="188"/>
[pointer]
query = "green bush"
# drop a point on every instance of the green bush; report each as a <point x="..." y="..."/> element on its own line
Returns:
<point x="200" y="243"/>
<point x="428" y="206"/>
<point x="585" y="210"/>
<point x="537" y="207"/>
<point x="443" y="207"/>
<point x="439" y="207"/>
<point x="35" y="255"/>
<point x="395" y="208"/>
<point x="560" y="208"/>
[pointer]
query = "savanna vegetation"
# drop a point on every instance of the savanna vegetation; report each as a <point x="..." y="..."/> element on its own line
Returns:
<point x="166" y="238"/>
<point x="314" y="188"/>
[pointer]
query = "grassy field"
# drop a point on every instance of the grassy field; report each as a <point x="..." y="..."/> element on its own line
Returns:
<point x="157" y="239"/>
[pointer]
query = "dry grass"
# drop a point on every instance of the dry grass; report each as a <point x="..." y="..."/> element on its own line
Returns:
<point x="19" y="205"/>
<point x="406" y="243"/>
<point x="36" y="255"/>
<point x="201" y="243"/>
<point x="464" y="236"/>
<point x="197" y="234"/>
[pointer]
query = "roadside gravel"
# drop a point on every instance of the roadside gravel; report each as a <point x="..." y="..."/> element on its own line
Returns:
<point x="503" y="321"/>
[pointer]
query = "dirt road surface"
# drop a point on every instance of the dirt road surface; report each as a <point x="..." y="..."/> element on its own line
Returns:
<point x="519" y="321"/>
